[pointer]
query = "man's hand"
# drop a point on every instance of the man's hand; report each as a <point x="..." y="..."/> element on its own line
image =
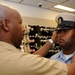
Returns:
<point x="54" y="36"/>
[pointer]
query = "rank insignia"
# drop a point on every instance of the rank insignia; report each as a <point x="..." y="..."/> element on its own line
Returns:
<point x="60" y="20"/>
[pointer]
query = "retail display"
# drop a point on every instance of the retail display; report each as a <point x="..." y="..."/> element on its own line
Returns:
<point x="36" y="36"/>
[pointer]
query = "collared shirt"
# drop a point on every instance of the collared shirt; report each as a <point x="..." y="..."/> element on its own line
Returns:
<point x="61" y="57"/>
<point x="14" y="62"/>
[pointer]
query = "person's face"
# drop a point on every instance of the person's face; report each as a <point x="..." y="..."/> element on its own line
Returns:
<point x="17" y="31"/>
<point x="66" y="38"/>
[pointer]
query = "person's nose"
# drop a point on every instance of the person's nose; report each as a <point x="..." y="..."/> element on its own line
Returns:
<point x="23" y="28"/>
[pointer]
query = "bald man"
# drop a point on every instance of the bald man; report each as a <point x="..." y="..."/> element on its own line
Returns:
<point x="14" y="62"/>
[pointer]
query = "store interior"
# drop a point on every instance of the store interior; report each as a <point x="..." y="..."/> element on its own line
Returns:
<point x="39" y="21"/>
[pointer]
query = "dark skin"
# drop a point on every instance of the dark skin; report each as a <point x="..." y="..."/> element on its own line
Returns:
<point x="66" y="41"/>
<point x="12" y="32"/>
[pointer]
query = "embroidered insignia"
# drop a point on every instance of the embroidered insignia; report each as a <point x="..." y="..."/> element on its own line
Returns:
<point x="60" y="20"/>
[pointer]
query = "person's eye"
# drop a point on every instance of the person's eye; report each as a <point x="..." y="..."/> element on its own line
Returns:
<point x="66" y="31"/>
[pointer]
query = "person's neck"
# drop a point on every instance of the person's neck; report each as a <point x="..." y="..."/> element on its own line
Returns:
<point x="68" y="51"/>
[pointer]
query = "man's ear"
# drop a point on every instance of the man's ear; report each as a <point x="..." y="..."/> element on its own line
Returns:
<point x="5" y="24"/>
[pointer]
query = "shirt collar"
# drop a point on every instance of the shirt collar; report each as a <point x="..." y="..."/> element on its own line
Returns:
<point x="61" y="55"/>
<point x="8" y="46"/>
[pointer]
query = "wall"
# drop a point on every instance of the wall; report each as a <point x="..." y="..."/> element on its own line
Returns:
<point x="38" y="21"/>
<point x="33" y="12"/>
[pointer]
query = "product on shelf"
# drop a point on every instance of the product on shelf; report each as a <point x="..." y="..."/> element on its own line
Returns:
<point x="36" y="36"/>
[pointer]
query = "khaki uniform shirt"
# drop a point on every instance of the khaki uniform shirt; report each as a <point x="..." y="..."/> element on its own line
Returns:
<point x="14" y="62"/>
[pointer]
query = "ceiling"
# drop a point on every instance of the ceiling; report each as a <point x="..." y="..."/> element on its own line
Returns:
<point x="47" y="4"/>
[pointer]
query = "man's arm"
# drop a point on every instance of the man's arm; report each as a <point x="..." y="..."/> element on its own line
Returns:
<point x="43" y="50"/>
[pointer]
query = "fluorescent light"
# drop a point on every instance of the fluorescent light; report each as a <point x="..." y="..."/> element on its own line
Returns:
<point x="64" y="8"/>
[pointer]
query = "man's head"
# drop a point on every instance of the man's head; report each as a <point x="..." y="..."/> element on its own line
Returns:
<point x="11" y="30"/>
<point x="66" y="29"/>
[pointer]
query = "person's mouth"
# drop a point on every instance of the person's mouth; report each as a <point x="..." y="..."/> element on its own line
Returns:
<point x="60" y="41"/>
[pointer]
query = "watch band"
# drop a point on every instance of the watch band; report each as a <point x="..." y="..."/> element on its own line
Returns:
<point x="51" y="41"/>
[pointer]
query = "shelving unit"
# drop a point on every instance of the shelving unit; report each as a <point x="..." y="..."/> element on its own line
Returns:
<point x="36" y="36"/>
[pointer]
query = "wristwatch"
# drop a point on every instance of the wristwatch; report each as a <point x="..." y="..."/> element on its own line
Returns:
<point x="51" y="41"/>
